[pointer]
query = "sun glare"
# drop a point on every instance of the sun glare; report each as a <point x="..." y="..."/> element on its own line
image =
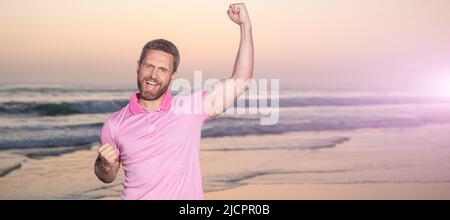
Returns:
<point x="442" y="86"/>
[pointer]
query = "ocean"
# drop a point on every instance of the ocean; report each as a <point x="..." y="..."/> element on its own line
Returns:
<point x="42" y="121"/>
<point x="36" y="116"/>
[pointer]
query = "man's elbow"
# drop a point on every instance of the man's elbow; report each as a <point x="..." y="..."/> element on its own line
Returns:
<point x="104" y="177"/>
<point x="244" y="83"/>
<point x="247" y="84"/>
<point x="107" y="180"/>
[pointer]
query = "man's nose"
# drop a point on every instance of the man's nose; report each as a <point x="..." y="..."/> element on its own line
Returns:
<point x="153" y="73"/>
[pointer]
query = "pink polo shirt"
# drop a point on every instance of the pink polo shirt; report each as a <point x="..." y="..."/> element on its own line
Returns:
<point x="159" y="150"/>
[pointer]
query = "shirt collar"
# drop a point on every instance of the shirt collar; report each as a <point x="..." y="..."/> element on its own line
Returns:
<point x="135" y="108"/>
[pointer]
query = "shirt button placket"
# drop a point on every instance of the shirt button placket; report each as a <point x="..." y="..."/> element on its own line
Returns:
<point x="150" y="126"/>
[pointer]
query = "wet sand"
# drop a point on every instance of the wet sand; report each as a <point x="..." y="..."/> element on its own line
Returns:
<point x="393" y="163"/>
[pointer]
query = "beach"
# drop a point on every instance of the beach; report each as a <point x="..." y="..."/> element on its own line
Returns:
<point x="356" y="169"/>
<point x="327" y="144"/>
<point x="338" y="100"/>
<point x="380" y="191"/>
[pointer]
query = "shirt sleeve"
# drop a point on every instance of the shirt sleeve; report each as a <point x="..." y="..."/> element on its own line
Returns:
<point x="205" y="115"/>
<point x="192" y="104"/>
<point x="106" y="135"/>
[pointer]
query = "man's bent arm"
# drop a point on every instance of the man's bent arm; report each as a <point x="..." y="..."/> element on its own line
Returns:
<point x="224" y="93"/>
<point x="107" y="163"/>
<point x="106" y="174"/>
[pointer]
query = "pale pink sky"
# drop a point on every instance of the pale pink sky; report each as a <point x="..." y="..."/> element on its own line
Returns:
<point x="314" y="41"/>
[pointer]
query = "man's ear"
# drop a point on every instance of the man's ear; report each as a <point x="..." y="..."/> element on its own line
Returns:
<point x="137" y="66"/>
<point x="173" y="75"/>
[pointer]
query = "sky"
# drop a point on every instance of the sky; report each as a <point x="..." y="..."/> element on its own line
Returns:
<point x="391" y="42"/>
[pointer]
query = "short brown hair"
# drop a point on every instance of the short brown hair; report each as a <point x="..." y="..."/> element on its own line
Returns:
<point x="162" y="45"/>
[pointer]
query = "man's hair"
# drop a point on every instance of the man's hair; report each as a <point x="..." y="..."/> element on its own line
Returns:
<point x="162" y="45"/>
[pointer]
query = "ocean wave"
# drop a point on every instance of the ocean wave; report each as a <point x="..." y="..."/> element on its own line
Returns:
<point x="6" y="170"/>
<point x="357" y="101"/>
<point x="232" y="180"/>
<point x="51" y="127"/>
<point x="253" y="127"/>
<point x="52" y="89"/>
<point x="299" y="144"/>
<point x="107" y="106"/>
<point x="65" y="108"/>
<point x="33" y="135"/>
<point x="49" y="137"/>
<point x="49" y="142"/>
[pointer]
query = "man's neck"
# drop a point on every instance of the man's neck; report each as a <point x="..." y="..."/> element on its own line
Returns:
<point x="151" y="105"/>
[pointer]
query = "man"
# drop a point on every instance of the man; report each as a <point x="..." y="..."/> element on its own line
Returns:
<point x="153" y="137"/>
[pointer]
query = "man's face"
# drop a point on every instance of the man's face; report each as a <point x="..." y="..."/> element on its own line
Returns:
<point x="154" y="74"/>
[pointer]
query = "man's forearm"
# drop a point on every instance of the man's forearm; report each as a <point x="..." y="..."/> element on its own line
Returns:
<point x="225" y="92"/>
<point x="243" y="65"/>
<point x="105" y="174"/>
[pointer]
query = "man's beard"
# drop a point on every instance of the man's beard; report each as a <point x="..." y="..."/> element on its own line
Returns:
<point x="151" y="94"/>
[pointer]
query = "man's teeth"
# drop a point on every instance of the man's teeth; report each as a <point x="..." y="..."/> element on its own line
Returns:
<point x="151" y="83"/>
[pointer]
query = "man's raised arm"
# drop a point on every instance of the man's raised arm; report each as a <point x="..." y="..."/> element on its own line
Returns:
<point x="223" y="93"/>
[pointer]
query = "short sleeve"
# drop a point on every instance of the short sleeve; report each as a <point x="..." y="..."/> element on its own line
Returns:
<point x="200" y="95"/>
<point x="193" y="104"/>
<point x="106" y="135"/>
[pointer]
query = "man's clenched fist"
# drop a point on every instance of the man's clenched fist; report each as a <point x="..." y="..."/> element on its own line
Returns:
<point x="108" y="155"/>
<point x="238" y="13"/>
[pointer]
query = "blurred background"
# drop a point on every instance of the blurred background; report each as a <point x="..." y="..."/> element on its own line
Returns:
<point x="364" y="95"/>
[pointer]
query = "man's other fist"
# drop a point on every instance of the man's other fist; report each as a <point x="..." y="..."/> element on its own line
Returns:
<point x="108" y="155"/>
